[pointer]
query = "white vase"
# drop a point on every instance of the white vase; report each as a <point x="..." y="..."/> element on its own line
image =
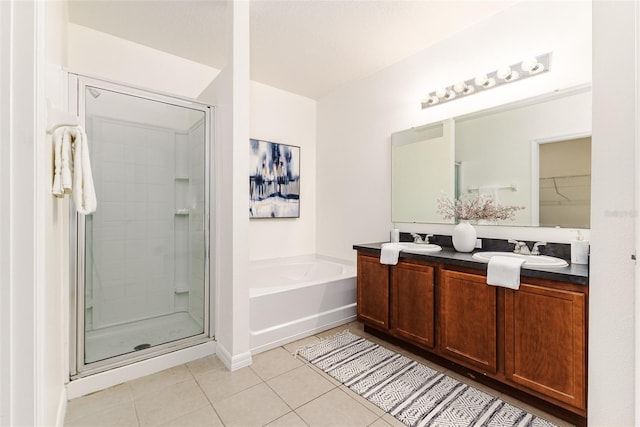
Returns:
<point x="464" y="236"/>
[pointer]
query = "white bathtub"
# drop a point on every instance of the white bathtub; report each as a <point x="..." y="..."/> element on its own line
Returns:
<point x="291" y="298"/>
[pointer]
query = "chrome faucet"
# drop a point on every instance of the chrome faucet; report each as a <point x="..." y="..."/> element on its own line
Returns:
<point x="520" y="247"/>
<point x="535" y="250"/>
<point x="418" y="239"/>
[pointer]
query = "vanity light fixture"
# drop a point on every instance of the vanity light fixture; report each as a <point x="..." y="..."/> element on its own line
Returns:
<point x="529" y="67"/>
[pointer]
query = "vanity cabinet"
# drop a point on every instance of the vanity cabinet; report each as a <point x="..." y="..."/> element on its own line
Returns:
<point x="412" y="303"/>
<point x="533" y="340"/>
<point x="545" y="340"/>
<point x="373" y="292"/>
<point x="468" y="320"/>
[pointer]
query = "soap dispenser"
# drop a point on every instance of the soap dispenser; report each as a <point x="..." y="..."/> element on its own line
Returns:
<point x="394" y="235"/>
<point x="579" y="250"/>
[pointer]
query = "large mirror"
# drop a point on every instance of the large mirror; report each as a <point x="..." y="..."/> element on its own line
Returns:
<point x="534" y="153"/>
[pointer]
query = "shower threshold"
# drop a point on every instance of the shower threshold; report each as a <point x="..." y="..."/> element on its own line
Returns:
<point x="118" y="340"/>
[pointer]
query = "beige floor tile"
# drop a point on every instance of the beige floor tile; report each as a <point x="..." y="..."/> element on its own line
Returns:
<point x="154" y="382"/>
<point x="256" y="406"/>
<point x="220" y="384"/>
<point x="205" y="364"/>
<point x="335" y="408"/>
<point x="379" y="423"/>
<point x="392" y="421"/>
<point x="288" y="420"/>
<point x="123" y="414"/>
<point x="97" y="402"/>
<point x="300" y="386"/>
<point x="330" y="332"/>
<point x="326" y="376"/>
<point x="364" y="402"/>
<point x="274" y="362"/>
<point x="170" y="403"/>
<point x="296" y="345"/>
<point x="355" y="326"/>
<point x="203" y="417"/>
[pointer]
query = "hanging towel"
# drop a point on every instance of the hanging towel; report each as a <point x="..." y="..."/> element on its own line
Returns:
<point x="62" y="159"/>
<point x="71" y="153"/>
<point x="389" y="253"/>
<point x="504" y="271"/>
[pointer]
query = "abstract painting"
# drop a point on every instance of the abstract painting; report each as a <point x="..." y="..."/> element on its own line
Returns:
<point x="274" y="180"/>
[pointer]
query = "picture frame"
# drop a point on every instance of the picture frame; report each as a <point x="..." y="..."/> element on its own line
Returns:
<point x="274" y="180"/>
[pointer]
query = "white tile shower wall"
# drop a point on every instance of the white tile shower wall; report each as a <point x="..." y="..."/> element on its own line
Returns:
<point x="196" y="199"/>
<point x="133" y="228"/>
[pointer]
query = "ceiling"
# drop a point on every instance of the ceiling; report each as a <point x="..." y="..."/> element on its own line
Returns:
<point x="308" y="47"/>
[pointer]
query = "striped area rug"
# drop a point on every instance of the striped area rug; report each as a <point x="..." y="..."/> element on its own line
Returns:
<point x="413" y="393"/>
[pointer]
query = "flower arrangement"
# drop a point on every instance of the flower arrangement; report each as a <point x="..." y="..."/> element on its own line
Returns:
<point x="478" y="207"/>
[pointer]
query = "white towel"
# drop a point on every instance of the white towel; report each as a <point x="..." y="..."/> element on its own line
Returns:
<point x="71" y="152"/>
<point x="504" y="271"/>
<point x="389" y="253"/>
<point x="62" y="158"/>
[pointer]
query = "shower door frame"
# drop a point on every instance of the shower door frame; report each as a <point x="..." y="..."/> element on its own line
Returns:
<point x="77" y="250"/>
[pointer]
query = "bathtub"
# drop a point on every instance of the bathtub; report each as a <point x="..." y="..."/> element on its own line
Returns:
<point x="291" y="298"/>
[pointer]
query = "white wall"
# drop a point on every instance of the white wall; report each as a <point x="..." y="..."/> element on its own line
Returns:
<point x="98" y="54"/>
<point x="55" y="302"/>
<point x="32" y="309"/>
<point x="613" y="217"/>
<point x="229" y="92"/>
<point x="355" y="123"/>
<point x="286" y="118"/>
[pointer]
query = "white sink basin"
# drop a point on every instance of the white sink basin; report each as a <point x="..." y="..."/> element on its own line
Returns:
<point x="530" y="260"/>
<point x="420" y="248"/>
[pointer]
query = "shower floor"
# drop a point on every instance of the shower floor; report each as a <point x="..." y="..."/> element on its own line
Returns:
<point x="122" y="339"/>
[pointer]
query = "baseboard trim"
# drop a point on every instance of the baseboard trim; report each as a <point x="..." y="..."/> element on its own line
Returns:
<point x="233" y="362"/>
<point x="62" y="408"/>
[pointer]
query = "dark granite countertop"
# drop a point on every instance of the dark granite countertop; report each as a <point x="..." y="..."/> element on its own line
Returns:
<point x="574" y="273"/>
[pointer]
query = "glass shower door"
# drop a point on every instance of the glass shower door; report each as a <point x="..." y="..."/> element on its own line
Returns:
<point x="143" y="271"/>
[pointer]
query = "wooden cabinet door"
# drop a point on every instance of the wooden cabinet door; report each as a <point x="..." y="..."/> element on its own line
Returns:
<point x="373" y="292"/>
<point x="468" y="320"/>
<point x="545" y="341"/>
<point x="412" y="303"/>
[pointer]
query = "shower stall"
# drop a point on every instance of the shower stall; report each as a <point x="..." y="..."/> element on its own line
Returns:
<point x="140" y="274"/>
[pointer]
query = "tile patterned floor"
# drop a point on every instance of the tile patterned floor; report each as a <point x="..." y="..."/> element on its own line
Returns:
<point x="276" y="390"/>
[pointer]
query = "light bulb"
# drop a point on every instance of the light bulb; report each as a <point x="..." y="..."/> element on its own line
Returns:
<point x="442" y="92"/>
<point x="481" y="80"/>
<point x="531" y="65"/>
<point x="432" y="100"/>
<point x="460" y="87"/>
<point x="504" y="73"/>
<point x="491" y="82"/>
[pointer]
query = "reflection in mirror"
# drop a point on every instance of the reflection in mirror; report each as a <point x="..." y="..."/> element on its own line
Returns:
<point x="422" y="170"/>
<point x="565" y="183"/>
<point x="497" y="153"/>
